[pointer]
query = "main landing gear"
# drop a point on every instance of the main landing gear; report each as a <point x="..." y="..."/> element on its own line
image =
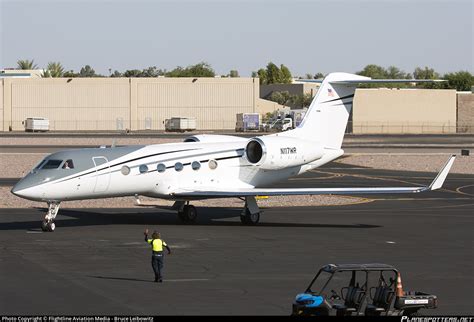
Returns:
<point x="251" y="214"/>
<point x="48" y="222"/>
<point x="186" y="213"/>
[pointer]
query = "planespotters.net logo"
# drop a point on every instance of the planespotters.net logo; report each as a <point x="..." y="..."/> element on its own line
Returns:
<point x="438" y="319"/>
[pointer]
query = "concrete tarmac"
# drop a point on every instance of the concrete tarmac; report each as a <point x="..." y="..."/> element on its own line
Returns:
<point x="96" y="261"/>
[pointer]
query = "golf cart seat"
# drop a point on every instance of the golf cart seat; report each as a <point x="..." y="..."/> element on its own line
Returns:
<point x="352" y="299"/>
<point x="382" y="299"/>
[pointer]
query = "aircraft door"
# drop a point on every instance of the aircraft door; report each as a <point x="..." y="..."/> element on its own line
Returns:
<point x="102" y="179"/>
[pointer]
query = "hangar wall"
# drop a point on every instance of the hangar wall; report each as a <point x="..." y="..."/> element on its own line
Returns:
<point x="404" y="111"/>
<point x="1" y="105"/>
<point x="465" y="112"/>
<point x="109" y="104"/>
<point x="71" y="104"/>
<point x="88" y="104"/>
<point x="213" y="102"/>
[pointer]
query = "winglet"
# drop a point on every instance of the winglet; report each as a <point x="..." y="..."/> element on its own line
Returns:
<point x="439" y="180"/>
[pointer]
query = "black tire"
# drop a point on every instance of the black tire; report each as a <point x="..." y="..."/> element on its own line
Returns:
<point x="188" y="215"/>
<point x="51" y="226"/>
<point x="181" y="216"/>
<point x="250" y="219"/>
<point x="44" y="226"/>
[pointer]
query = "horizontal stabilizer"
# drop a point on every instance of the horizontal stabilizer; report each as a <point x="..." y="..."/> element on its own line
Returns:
<point x="388" y="81"/>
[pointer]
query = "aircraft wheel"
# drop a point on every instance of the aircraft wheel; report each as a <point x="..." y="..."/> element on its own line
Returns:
<point x="51" y="226"/>
<point x="250" y="219"/>
<point x="44" y="226"/>
<point x="188" y="215"/>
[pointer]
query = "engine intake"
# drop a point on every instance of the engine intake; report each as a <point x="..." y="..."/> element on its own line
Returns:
<point x="254" y="151"/>
<point x="277" y="152"/>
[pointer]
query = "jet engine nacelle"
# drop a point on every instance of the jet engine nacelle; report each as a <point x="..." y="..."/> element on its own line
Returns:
<point x="211" y="138"/>
<point x="277" y="152"/>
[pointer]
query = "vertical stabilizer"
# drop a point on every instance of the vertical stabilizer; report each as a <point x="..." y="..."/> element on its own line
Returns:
<point x="327" y="116"/>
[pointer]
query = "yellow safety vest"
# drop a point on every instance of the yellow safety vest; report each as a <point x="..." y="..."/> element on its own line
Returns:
<point x="157" y="244"/>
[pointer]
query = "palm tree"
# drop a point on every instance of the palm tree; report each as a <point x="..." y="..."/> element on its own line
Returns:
<point x="55" y="69"/>
<point x="26" y="64"/>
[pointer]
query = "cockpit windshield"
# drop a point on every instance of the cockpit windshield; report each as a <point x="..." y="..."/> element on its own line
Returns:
<point x="51" y="164"/>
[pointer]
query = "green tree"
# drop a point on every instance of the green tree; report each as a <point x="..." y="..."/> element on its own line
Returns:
<point x="461" y="81"/>
<point x="427" y="73"/>
<point x="26" y="64"/>
<point x="262" y="75"/>
<point x="233" y="73"/>
<point x="87" y="71"/>
<point x="281" y="98"/>
<point x="373" y="71"/>
<point x="116" y="73"/>
<point x="395" y="73"/>
<point x="273" y="73"/>
<point x="202" y="69"/>
<point x="54" y="69"/>
<point x="70" y="73"/>
<point x="318" y="76"/>
<point x="132" y="73"/>
<point x="285" y="75"/>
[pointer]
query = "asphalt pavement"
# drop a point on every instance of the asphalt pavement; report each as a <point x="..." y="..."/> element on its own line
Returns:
<point x="96" y="261"/>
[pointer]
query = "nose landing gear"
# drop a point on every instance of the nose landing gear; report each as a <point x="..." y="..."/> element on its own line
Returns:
<point x="48" y="222"/>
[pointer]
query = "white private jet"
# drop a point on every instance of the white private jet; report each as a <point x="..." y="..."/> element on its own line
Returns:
<point x="210" y="166"/>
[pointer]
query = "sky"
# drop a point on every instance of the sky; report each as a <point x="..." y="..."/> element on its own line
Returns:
<point x="307" y="36"/>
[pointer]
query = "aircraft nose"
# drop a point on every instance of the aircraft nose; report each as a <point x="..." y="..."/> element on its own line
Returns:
<point x="24" y="188"/>
<point x="18" y="190"/>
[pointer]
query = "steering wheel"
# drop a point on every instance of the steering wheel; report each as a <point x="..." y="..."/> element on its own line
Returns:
<point x="334" y="295"/>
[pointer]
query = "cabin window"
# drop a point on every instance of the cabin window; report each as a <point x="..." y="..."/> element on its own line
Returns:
<point x="125" y="170"/>
<point x="178" y="166"/>
<point x="52" y="164"/>
<point x="196" y="165"/>
<point x="68" y="164"/>
<point x="143" y="168"/>
<point x="160" y="167"/>
<point x="212" y="164"/>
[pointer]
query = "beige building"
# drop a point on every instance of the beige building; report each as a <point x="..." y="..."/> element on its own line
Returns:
<point x="111" y="104"/>
<point x="465" y="112"/>
<point x="404" y="111"/>
<point x="104" y="104"/>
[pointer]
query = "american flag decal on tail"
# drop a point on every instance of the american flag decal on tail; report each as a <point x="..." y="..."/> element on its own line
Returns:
<point x="330" y="92"/>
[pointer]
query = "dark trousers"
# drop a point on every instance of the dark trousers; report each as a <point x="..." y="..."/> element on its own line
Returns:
<point x="157" y="264"/>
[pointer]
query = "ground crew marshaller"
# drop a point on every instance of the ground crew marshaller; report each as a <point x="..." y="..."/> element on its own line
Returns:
<point x="157" y="245"/>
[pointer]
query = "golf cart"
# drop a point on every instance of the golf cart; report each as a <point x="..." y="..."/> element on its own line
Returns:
<point x="358" y="290"/>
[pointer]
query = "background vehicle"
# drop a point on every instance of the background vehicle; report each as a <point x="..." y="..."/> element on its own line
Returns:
<point x="360" y="289"/>
<point x="36" y="124"/>
<point x="180" y="124"/>
<point x="247" y="122"/>
<point x="282" y="125"/>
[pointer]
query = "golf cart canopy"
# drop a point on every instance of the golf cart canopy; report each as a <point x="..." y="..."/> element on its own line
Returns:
<point x="332" y="268"/>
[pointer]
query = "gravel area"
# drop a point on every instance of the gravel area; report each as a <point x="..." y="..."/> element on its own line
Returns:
<point x="411" y="162"/>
